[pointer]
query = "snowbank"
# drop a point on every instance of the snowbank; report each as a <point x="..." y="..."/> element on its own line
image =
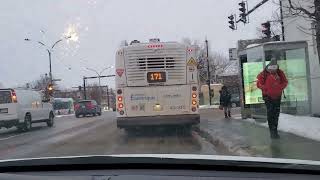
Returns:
<point x="305" y="126"/>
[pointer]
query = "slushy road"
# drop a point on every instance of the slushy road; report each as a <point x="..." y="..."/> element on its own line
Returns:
<point x="97" y="135"/>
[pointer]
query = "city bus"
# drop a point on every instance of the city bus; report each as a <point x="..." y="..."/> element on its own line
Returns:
<point x="157" y="84"/>
<point x="63" y="106"/>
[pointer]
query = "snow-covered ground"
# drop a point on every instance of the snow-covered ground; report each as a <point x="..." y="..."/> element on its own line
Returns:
<point x="208" y="106"/>
<point x="305" y="126"/>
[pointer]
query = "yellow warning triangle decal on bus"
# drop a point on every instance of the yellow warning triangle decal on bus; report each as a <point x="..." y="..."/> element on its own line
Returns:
<point x="192" y="62"/>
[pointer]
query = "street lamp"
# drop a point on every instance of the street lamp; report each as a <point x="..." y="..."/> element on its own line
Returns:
<point x="99" y="77"/>
<point x="49" y="50"/>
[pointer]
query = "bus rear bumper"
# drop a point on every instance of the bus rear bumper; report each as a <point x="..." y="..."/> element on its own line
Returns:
<point x="183" y="119"/>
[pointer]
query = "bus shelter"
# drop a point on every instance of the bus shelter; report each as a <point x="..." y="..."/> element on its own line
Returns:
<point x="292" y="58"/>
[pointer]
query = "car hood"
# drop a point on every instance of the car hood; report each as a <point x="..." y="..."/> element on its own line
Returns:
<point x="167" y="161"/>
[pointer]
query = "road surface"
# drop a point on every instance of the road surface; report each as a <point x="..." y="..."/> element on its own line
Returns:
<point x="99" y="135"/>
<point x="95" y="136"/>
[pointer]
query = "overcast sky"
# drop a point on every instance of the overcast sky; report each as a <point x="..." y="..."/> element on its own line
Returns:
<point x="98" y="27"/>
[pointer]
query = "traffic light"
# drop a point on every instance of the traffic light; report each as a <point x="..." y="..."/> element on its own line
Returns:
<point x="50" y="89"/>
<point x="266" y="29"/>
<point x="243" y="10"/>
<point x="231" y="22"/>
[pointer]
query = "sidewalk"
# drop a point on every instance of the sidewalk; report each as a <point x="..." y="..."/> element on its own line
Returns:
<point x="242" y="137"/>
<point x="304" y="126"/>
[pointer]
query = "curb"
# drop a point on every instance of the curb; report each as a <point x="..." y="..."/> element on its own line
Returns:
<point x="223" y="144"/>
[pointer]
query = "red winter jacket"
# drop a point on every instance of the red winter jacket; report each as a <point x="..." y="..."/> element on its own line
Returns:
<point x="271" y="85"/>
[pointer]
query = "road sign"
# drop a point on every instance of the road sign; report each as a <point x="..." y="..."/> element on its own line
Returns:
<point x="192" y="62"/>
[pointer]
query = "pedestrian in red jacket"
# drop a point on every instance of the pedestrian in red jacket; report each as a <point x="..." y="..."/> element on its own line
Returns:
<point x="272" y="81"/>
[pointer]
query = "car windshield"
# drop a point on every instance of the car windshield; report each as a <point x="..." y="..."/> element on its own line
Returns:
<point x="199" y="77"/>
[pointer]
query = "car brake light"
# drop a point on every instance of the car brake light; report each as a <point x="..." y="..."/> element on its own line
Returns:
<point x="77" y="106"/>
<point x="14" y="96"/>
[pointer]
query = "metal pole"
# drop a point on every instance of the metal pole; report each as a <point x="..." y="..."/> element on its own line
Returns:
<point x="84" y="88"/>
<point x="208" y="71"/>
<point x="50" y="68"/>
<point x="100" y="91"/>
<point x="108" y="97"/>
<point x="281" y="19"/>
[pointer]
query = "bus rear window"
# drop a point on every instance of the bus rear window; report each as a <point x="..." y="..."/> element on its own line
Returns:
<point x="5" y="97"/>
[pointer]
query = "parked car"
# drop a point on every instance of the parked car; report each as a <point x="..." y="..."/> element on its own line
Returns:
<point x="21" y="108"/>
<point x="87" y="107"/>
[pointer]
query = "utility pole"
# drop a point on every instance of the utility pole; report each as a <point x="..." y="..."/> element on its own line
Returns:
<point x="50" y="67"/>
<point x="84" y="88"/>
<point x="49" y="50"/>
<point x="281" y="19"/>
<point x="108" y="98"/>
<point x="208" y="72"/>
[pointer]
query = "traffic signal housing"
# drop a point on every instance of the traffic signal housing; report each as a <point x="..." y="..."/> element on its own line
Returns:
<point x="232" y="22"/>
<point x="243" y="12"/>
<point x="266" y="29"/>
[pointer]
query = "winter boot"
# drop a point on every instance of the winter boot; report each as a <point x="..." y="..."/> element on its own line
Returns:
<point x="229" y="114"/>
<point x="274" y="134"/>
<point x="225" y="115"/>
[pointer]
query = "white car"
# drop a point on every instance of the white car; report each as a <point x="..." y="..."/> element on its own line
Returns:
<point x="21" y="108"/>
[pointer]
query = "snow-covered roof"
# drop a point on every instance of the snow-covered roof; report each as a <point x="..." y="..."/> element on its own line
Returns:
<point x="232" y="69"/>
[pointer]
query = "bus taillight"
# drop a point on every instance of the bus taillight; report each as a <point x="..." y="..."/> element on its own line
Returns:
<point x="120" y="98"/>
<point x="194" y="109"/>
<point x="120" y="105"/>
<point x="194" y="102"/>
<point x="119" y="91"/>
<point x="194" y="95"/>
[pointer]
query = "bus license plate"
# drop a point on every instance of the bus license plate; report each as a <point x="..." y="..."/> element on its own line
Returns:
<point x="153" y="77"/>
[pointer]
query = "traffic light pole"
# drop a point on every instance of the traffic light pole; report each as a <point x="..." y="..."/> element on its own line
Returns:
<point x="209" y="75"/>
<point x="84" y="88"/>
<point x="108" y="98"/>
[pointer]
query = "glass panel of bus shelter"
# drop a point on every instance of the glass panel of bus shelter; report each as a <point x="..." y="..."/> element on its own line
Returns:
<point x="251" y="69"/>
<point x="295" y="99"/>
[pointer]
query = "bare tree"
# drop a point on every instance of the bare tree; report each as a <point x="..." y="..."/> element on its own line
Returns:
<point x="310" y="10"/>
<point x="217" y="61"/>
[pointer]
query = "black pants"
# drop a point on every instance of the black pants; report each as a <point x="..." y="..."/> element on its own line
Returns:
<point x="273" y="112"/>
